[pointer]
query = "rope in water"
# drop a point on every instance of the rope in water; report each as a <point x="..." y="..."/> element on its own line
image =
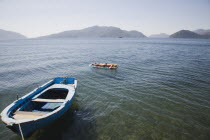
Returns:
<point x="21" y="131"/>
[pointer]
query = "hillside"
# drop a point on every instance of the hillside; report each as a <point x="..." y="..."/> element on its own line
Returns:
<point x="8" y="35"/>
<point x="97" y="31"/>
<point x="185" y="34"/>
<point x="202" y="32"/>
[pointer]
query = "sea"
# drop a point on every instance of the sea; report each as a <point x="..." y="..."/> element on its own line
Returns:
<point x="160" y="91"/>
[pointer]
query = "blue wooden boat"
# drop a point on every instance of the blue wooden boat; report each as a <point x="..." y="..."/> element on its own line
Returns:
<point x="103" y="66"/>
<point x="40" y="107"/>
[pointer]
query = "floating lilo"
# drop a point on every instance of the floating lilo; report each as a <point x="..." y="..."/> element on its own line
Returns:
<point x="103" y="66"/>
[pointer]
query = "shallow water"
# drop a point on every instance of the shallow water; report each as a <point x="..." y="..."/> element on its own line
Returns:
<point x="161" y="89"/>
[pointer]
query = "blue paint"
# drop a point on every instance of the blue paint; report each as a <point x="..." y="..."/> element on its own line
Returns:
<point x="70" y="80"/>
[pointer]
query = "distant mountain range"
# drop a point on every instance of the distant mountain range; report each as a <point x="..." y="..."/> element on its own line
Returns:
<point x="108" y="31"/>
<point x="97" y="31"/>
<point x="190" y="34"/>
<point x="202" y="32"/>
<point x="161" y="35"/>
<point x="8" y="35"/>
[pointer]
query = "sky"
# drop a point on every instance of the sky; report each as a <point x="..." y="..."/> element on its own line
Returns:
<point x="34" y="18"/>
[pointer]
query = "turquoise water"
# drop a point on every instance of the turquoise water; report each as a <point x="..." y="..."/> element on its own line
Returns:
<point x="161" y="89"/>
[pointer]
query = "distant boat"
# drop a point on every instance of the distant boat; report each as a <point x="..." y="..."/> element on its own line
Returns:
<point x="40" y="107"/>
<point x="103" y="66"/>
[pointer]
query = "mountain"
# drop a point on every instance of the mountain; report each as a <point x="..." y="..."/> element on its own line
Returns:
<point x="202" y="32"/>
<point x="161" y="35"/>
<point x="7" y="35"/>
<point x="97" y="31"/>
<point x="185" y="34"/>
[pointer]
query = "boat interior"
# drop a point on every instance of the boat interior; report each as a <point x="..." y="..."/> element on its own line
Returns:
<point x="42" y="104"/>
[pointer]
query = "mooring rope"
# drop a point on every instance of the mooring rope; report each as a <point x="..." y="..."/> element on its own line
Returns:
<point x="20" y="131"/>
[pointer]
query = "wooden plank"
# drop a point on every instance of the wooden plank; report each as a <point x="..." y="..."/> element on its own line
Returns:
<point x="19" y="115"/>
<point x="30" y="113"/>
<point x="49" y="100"/>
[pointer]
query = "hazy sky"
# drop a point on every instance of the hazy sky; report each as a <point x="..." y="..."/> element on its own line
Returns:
<point x="41" y="17"/>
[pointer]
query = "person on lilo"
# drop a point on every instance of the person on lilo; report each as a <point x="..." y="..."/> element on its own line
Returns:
<point x="111" y="66"/>
<point x="105" y="64"/>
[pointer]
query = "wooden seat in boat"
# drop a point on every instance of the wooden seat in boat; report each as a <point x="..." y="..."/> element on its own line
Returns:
<point x="19" y="115"/>
<point x="49" y="100"/>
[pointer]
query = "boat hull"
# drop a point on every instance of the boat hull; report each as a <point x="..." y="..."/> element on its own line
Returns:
<point x="29" y="127"/>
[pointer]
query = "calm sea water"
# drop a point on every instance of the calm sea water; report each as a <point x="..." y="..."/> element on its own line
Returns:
<point x="161" y="89"/>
